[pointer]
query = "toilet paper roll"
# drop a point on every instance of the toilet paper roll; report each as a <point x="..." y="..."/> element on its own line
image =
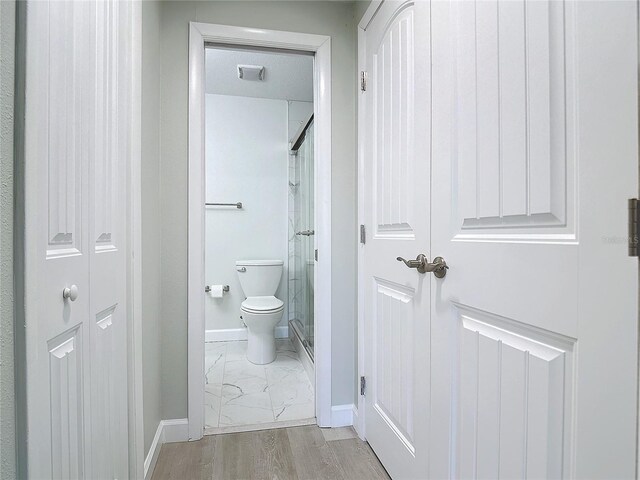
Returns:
<point x="215" y="291"/>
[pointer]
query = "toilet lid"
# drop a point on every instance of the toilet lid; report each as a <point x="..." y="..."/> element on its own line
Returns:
<point x="262" y="304"/>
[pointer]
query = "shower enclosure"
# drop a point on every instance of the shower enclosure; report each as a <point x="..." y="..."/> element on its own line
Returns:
<point x="301" y="237"/>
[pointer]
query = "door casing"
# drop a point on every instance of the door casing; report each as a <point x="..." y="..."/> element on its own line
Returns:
<point x="320" y="45"/>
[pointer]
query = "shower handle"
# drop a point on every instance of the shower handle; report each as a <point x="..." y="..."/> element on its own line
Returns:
<point x="306" y="233"/>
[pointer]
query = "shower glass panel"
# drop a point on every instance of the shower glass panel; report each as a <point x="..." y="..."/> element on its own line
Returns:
<point x="302" y="244"/>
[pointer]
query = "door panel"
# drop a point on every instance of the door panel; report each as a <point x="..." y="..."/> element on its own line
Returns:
<point x="108" y="260"/>
<point x="77" y="145"/>
<point x="392" y="109"/>
<point x="56" y="241"/>
<point x="524" y="122"/>
<point x="396" y="212"/>
<point x="514" y="382"/>
<point x="513" y="118"/>
<point x="65" y="107"/>
<point x="394" y="354"/>
<point x="66" y="393"/>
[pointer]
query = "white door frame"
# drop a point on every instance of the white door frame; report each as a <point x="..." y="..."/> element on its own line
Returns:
<point x="134" y="244"/>
<point x="359" y="423"/>
<point x="320" y="45"/>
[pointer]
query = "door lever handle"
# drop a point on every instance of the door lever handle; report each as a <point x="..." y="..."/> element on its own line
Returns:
<point x="421" y="263"/>
<point x="306" y="233"/>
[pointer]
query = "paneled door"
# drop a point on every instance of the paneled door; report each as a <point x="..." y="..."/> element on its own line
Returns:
<point x="535" y="153"/>
<point x="77" y="145"/>
<point x="395" y="177"/>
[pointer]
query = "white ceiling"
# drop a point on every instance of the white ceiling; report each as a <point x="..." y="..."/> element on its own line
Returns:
<point x="288" y="76"/>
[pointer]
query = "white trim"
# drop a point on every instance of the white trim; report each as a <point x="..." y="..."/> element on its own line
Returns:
<point x="134" y="292"/>
<point x="360" y="426"/>
<point x="368" y="15"/>
<point x="342" y="415"/>
<point x="238" y="334"/>
<point x="199" y="33"/>
<point x="259" y="426"/>
<point x="175" y="430"/>
<point x="322" y="307"/>
<point x="154" y="452"/>
<point x="168" y="431"/>
<point x="354" y="413"/>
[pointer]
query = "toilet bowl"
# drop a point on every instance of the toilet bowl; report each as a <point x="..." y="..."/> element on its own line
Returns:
<point x="261" y="311"/>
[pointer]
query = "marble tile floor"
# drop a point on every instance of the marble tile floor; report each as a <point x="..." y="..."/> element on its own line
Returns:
<point x="237" y="392"/>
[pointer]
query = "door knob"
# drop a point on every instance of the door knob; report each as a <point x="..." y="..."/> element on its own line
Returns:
<point x="421" y="263"/>
<point x="70" y="292"/>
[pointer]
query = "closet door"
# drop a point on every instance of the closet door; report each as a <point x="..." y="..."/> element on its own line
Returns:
<point x="77" y="150"/>
<point x="535" y="153"/>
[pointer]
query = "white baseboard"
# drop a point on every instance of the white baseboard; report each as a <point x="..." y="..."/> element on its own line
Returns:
<point x="342" y="415"/>
<point x="154" y="452"/>
<point x="235" y="334"/>
<point x="356" y="423"/>
<point x="168" y="431"/>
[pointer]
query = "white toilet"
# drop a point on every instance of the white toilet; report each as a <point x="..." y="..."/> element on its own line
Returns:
<point x="261" y="311"/>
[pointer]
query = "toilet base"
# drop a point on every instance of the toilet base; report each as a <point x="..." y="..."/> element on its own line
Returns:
<point x="261" y="347"/>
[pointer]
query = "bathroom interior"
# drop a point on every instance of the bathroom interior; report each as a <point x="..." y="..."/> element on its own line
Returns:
<point x="259" y="239"/>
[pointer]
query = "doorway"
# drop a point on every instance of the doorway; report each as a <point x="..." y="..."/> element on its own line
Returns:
<point x="304" y="330"/>
<point x="259" y="238"/>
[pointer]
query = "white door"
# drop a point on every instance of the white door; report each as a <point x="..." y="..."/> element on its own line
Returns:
<point x="77" y="153"/>
<point x="395" y="171"/>
<point x="534" y="328"/>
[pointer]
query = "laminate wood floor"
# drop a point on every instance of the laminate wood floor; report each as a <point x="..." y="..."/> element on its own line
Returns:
<point x="296" y="453"/>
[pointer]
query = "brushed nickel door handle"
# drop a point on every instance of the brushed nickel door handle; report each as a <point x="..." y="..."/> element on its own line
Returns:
<point x="421" y="263"/>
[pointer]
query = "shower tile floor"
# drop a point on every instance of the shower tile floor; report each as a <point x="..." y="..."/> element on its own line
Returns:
<point x="237" y="392"/>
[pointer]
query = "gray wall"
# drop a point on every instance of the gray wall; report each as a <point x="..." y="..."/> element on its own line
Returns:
<point x="7" y="404"/>
<point x="151" y="240"/>
<point x="360" y="7"/>
<point x="329" y="18"/>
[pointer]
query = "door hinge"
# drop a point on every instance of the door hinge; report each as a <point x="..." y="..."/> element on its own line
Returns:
<point x="363" y="81"/>
<point x="363" y="385"/>
<point x="363" y="235"/>
<point x="633" y="227"/>
<point x="315" y="255"/>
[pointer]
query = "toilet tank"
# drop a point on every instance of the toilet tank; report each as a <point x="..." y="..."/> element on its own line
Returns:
<point x="259" y="278"/>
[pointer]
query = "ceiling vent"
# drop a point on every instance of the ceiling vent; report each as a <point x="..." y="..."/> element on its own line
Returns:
<point x="251" y="72"/>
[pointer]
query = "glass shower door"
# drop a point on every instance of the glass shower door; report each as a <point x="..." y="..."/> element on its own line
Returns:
<point x="308" y="240"/>
<point x="304" y="238"/>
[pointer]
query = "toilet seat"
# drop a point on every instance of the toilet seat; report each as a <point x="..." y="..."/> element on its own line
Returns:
<point x="262" y="305"/>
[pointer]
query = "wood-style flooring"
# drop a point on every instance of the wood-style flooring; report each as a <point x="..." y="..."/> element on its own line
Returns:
<point x="302" y="453"/>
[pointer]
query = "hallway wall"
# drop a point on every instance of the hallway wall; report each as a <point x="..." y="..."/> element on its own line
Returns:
<point x="336" y="19"/>
<point x="151" y="221"/>
<point x="7" y="399"/>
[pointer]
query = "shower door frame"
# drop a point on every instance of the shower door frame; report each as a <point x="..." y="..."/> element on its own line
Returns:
<point x="320" y="45"/>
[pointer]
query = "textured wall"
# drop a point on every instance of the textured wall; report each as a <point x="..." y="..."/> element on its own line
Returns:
<point x="7" y="405"/>
<point x="336" y="19"/>
<point x="151" y="219"/>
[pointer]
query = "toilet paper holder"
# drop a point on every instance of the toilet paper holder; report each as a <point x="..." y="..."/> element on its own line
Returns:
<point x="225" y="288"/>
